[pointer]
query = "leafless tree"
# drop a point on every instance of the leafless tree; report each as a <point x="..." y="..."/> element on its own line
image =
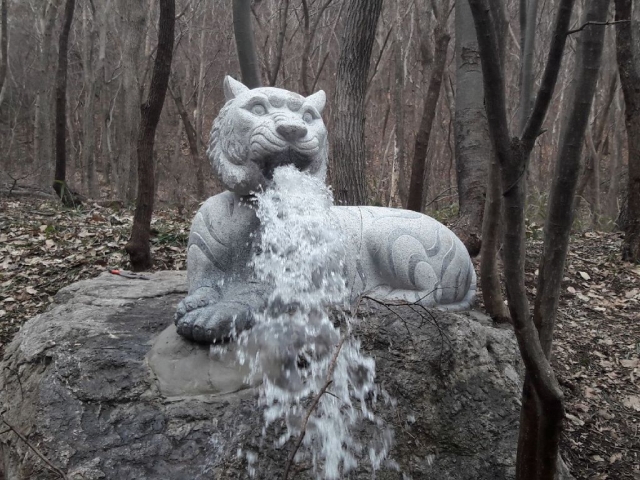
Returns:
<point x="43" y="140"/>
<point x="245" y="44"/>
<point x="4" y="48"/>
<point x="512" y="155"/>
<point x="348" y="166"/>
<point x="472" y="143"/>
<point x="60" y="182"/>
<point x="491" y="225"/>
<point x="629" y="68"/>
<point x="442" y="37"/>
<point x="138" y="247"/>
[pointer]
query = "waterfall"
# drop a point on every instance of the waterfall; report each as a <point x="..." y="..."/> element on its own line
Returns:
<point x="313" y="373"/>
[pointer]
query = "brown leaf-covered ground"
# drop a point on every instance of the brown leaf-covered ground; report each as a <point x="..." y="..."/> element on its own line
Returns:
<point x="597" y="347"/>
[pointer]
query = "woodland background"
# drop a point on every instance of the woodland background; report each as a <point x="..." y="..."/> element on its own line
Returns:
<point x="111" y="51"/>
<point x="433" y="105"/>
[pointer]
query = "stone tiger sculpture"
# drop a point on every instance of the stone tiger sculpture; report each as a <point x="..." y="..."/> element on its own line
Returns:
<point x="392" y="254"/>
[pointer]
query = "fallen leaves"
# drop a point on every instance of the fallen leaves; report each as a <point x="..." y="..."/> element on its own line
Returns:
<point x="44" y="247"/>
<point x="632" y="401"/>
<point x="596" y="357"/>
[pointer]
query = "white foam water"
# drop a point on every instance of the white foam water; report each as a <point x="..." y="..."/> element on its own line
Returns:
<point x="314" y="376"/>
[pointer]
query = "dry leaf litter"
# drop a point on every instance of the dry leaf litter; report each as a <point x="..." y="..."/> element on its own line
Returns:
<point x="44" y="247"/>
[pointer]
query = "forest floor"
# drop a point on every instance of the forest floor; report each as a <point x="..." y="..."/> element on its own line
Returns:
<point x="44" y="247"/>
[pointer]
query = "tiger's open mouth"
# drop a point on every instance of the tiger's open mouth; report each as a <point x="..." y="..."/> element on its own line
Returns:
<point x="288" y="156"/>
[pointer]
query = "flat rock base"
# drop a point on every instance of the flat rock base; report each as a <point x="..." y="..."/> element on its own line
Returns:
<point x="104" y="388"/>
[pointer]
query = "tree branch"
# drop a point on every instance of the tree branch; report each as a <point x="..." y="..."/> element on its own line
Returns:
<point x="40" y="455"/>
<point x="603" y="24"/>
<point x="314" y="404"/>
<point x="550" y="75"/>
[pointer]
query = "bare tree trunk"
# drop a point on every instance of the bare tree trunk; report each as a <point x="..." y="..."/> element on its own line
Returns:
<point x="192" y="139"/>
<point x="528" y="53"/>
<point x="134" y="21"/>
<point x="423" y="135"/>
<point x="103" y="100"/>
<point x="595" y="137"/>
<point x="91" y="89"/>
<point x="59" y="182"/>
<point x="472" y="143"/>
<point x="138" y="246"/>
<point x="359" y="29"/>
<point x="399" y="151"/>
<point x="202" y="70"/>
<point x="4" y="49"/>
<point x="277" y="58"/>
<point x="560" y="213"/>
<point x="491" y="226"/>
<point x="489" y="273"/>
<point x="616" y="166"/>
<point x="512" y="156"/>
<point x="43" y="144"/>
<point x="245" y="44"/>
<point x="310" y="33"/>
<point x="629" y="68"/>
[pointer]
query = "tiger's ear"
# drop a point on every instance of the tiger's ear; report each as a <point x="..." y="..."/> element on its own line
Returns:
<point x="233" y="88"/>
<point x="317" y="100"/>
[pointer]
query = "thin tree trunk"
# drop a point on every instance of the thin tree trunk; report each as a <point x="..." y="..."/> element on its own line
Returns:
<point x="614" y="174"/>
<point x="59" y="182"/>
<point x="104" y="103"/>
<point x="560" y="217"/>
<point x="192" y="139"/>
<point x="595" y="142"/>
<point x="245" y="44"/>
<point x="398" y="110"/>
<point x="416" y="185"/>
<point x="202" y="70"/>
<point x="138" y="246"/>
<point x="4" y="48"/>
<point x="309" y="35"/>
<point x="348" y="173"/>
<point x="91" y="86"/>
<point x="595" y="193"/>
<point x="489" y="273"/>
<point x="134" y="20"/>
<point x="528" y="53"/>
<point x="629" y="69"/>
<point x="472" y="143"/>
<point x="512" y="156"/>
<point x="491" y="224"/>
<point x="277" y="59"/>
<point x="43" y="144"/>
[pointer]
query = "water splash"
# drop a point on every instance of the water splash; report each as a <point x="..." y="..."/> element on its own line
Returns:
<point x="313" y="376"/>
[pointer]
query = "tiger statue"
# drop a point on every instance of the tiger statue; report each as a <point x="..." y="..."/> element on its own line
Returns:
<point x="393" y="255"/>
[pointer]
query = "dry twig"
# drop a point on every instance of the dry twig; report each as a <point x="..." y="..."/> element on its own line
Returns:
<point x="40" y="455"/>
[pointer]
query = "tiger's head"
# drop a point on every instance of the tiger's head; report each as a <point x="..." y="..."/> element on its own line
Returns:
<point x="261" y="129"/>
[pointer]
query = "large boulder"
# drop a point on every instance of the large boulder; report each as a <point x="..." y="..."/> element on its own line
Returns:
<point x="103" y="387"/>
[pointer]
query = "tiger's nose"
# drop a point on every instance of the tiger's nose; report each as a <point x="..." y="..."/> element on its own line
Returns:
<point x="291" y="131"/>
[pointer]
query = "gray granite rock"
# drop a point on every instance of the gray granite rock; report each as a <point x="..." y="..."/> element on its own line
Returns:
<point x="103" y="386"/>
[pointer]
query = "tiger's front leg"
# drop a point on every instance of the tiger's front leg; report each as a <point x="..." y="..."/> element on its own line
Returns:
<point x="223" y="296"/>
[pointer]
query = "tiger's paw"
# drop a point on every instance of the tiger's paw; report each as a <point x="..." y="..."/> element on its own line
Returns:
<point x="212" y="323"/>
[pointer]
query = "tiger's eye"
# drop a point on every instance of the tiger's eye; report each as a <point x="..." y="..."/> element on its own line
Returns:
<point x="258" y="109"/>
<point x="307" y="117"/>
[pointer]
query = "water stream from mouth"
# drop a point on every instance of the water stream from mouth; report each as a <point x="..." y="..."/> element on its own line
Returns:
<point x="302" y="358"/>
